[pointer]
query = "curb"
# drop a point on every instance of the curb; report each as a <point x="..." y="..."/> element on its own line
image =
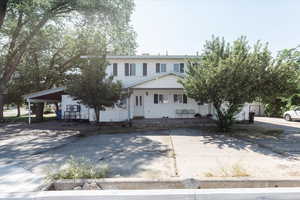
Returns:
<point x="175" y="183"/>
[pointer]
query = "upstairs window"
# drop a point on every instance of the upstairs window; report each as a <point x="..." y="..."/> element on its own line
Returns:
<point x="161" y="68"/>
<point x="144" y="69"/>
<point x="130" y="69"/>
<point x="180" y="98"/>
<point x="115" y="69"/>
<point x="179" y="68"/>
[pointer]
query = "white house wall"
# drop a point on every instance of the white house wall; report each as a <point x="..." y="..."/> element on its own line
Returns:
<point x="68" y="100"/>
<point x="152" y="110"/>
<point x="151" y="68"/>
<point x="169" y="81"/>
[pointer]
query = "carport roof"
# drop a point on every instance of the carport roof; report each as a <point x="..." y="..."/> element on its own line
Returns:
<point x="50" y="95"/>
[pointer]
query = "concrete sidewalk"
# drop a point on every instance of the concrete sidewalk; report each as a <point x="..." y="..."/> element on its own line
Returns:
<point x="14" y="178"/>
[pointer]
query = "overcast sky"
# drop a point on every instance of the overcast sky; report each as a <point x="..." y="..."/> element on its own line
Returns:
<point x="182" y="26"/>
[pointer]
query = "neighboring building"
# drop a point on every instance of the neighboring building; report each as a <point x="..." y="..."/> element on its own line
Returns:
<point x="152" y="82"/>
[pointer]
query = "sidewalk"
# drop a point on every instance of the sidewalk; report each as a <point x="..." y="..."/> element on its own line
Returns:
<point x="16" y="179"/>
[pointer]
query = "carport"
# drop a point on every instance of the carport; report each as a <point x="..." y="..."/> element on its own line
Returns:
<point x="45" y="96"/>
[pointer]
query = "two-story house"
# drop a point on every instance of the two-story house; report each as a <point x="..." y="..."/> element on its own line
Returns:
<point x="151" y="81"/>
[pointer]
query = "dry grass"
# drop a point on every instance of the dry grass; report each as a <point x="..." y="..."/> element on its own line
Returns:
<point x="77" y="169"/>
<point x="255" y="132"/>
<point x="236" y="170"/>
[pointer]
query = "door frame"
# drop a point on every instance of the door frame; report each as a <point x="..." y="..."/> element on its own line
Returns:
<point x="139" y="105"/>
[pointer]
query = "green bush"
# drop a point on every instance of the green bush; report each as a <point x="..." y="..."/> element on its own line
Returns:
<point x="77" y="169"/>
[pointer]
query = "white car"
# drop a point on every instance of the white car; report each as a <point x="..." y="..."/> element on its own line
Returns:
<point x="292" y="114"/>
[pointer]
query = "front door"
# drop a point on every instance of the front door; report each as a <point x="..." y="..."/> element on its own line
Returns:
<point x="138" y="106"/>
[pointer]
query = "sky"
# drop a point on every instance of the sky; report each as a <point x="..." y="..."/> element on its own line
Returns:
<point x="181" y="27"/>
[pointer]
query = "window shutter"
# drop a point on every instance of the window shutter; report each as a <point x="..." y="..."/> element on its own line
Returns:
<point x="126" y="69"/>
<point x="181" y="67"/>
<point x="132" y="69"/>
<point x="144" y="69"/>
<point x="115" y="69"/>
<point x="155" y="98"/>
<point x="184" y="99"/>
<point x="157" y="67"/>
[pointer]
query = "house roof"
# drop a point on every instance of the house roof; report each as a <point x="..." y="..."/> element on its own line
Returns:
<point x="139" y="82"/>
<point x="49" y="95"/>
<point x="148" y="57"/>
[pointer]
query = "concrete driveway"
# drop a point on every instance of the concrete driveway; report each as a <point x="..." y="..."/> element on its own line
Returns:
<point x="288" y="126"/>
<point x="288" y="143"/>
<point x="153" y="154"/>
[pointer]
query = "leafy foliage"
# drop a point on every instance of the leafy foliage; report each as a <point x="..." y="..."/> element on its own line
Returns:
<point x="92" y="87"/>
<point x="23" y="21"/>
<point x="229" y="75"/>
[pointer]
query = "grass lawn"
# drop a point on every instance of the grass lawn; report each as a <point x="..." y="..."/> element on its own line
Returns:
<point x="250" y="131"/>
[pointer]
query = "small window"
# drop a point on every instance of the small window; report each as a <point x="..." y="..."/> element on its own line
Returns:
<point x="184" y="99"/>
<point x="132" y="69"/>
<point x="161" y="98"/>
<point x="115" y="69"/>
<point x="160" y="68"/>
<point x="157" y="67"/>
<point x="181" y="67"/>
<point x="155" y="98"/>
<point x="144" y="69"/>
<point x="141" y="100"/>
<point x="180" y="98"/>
<point x="136" y="100"/>
<point x="126" y="69"/>
<point x="176" y="68"/>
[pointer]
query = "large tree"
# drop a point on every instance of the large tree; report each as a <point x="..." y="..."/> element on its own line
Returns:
<point x="23" y="20"/>
<point x="92" y="87"/>
<point x="229" y="75"/>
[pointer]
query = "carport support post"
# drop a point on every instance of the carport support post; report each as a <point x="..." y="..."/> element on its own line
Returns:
<point x="128" y="105"/>
<point x="29" y="111"/>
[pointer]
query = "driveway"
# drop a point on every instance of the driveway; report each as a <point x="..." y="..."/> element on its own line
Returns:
<point x="288" y="143"/>
<point x="20" y="142"/>
<point x="153" y="154"/>
<point x="288" y="126"/>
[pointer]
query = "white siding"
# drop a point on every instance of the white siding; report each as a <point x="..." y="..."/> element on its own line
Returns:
<point x="170" y="81"/>
<point x="151" y="68"/>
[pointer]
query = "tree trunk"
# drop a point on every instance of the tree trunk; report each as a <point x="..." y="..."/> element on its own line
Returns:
<point x="19" y="111"/>
<point x="1" y="107"/>
<point x="39" y="112"/>
<point x="97" y="113"/>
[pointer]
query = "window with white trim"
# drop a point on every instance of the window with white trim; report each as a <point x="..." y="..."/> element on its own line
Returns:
<point x="178" y="67"/>
<point x="180" y="98"/>
<point x="130" y="69"/>
<point x="161" y="98"/>
<point x="161" y="67"/>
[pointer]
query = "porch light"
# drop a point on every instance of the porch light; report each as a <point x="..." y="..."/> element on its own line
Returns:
<point x="147" y="93"/>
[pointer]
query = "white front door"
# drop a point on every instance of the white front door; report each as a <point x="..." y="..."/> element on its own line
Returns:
<point x="138" y="106"/>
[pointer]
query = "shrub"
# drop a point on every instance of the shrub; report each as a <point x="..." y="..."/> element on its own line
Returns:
<point x="77" y="169"/>
<point x="236" y="170"/>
